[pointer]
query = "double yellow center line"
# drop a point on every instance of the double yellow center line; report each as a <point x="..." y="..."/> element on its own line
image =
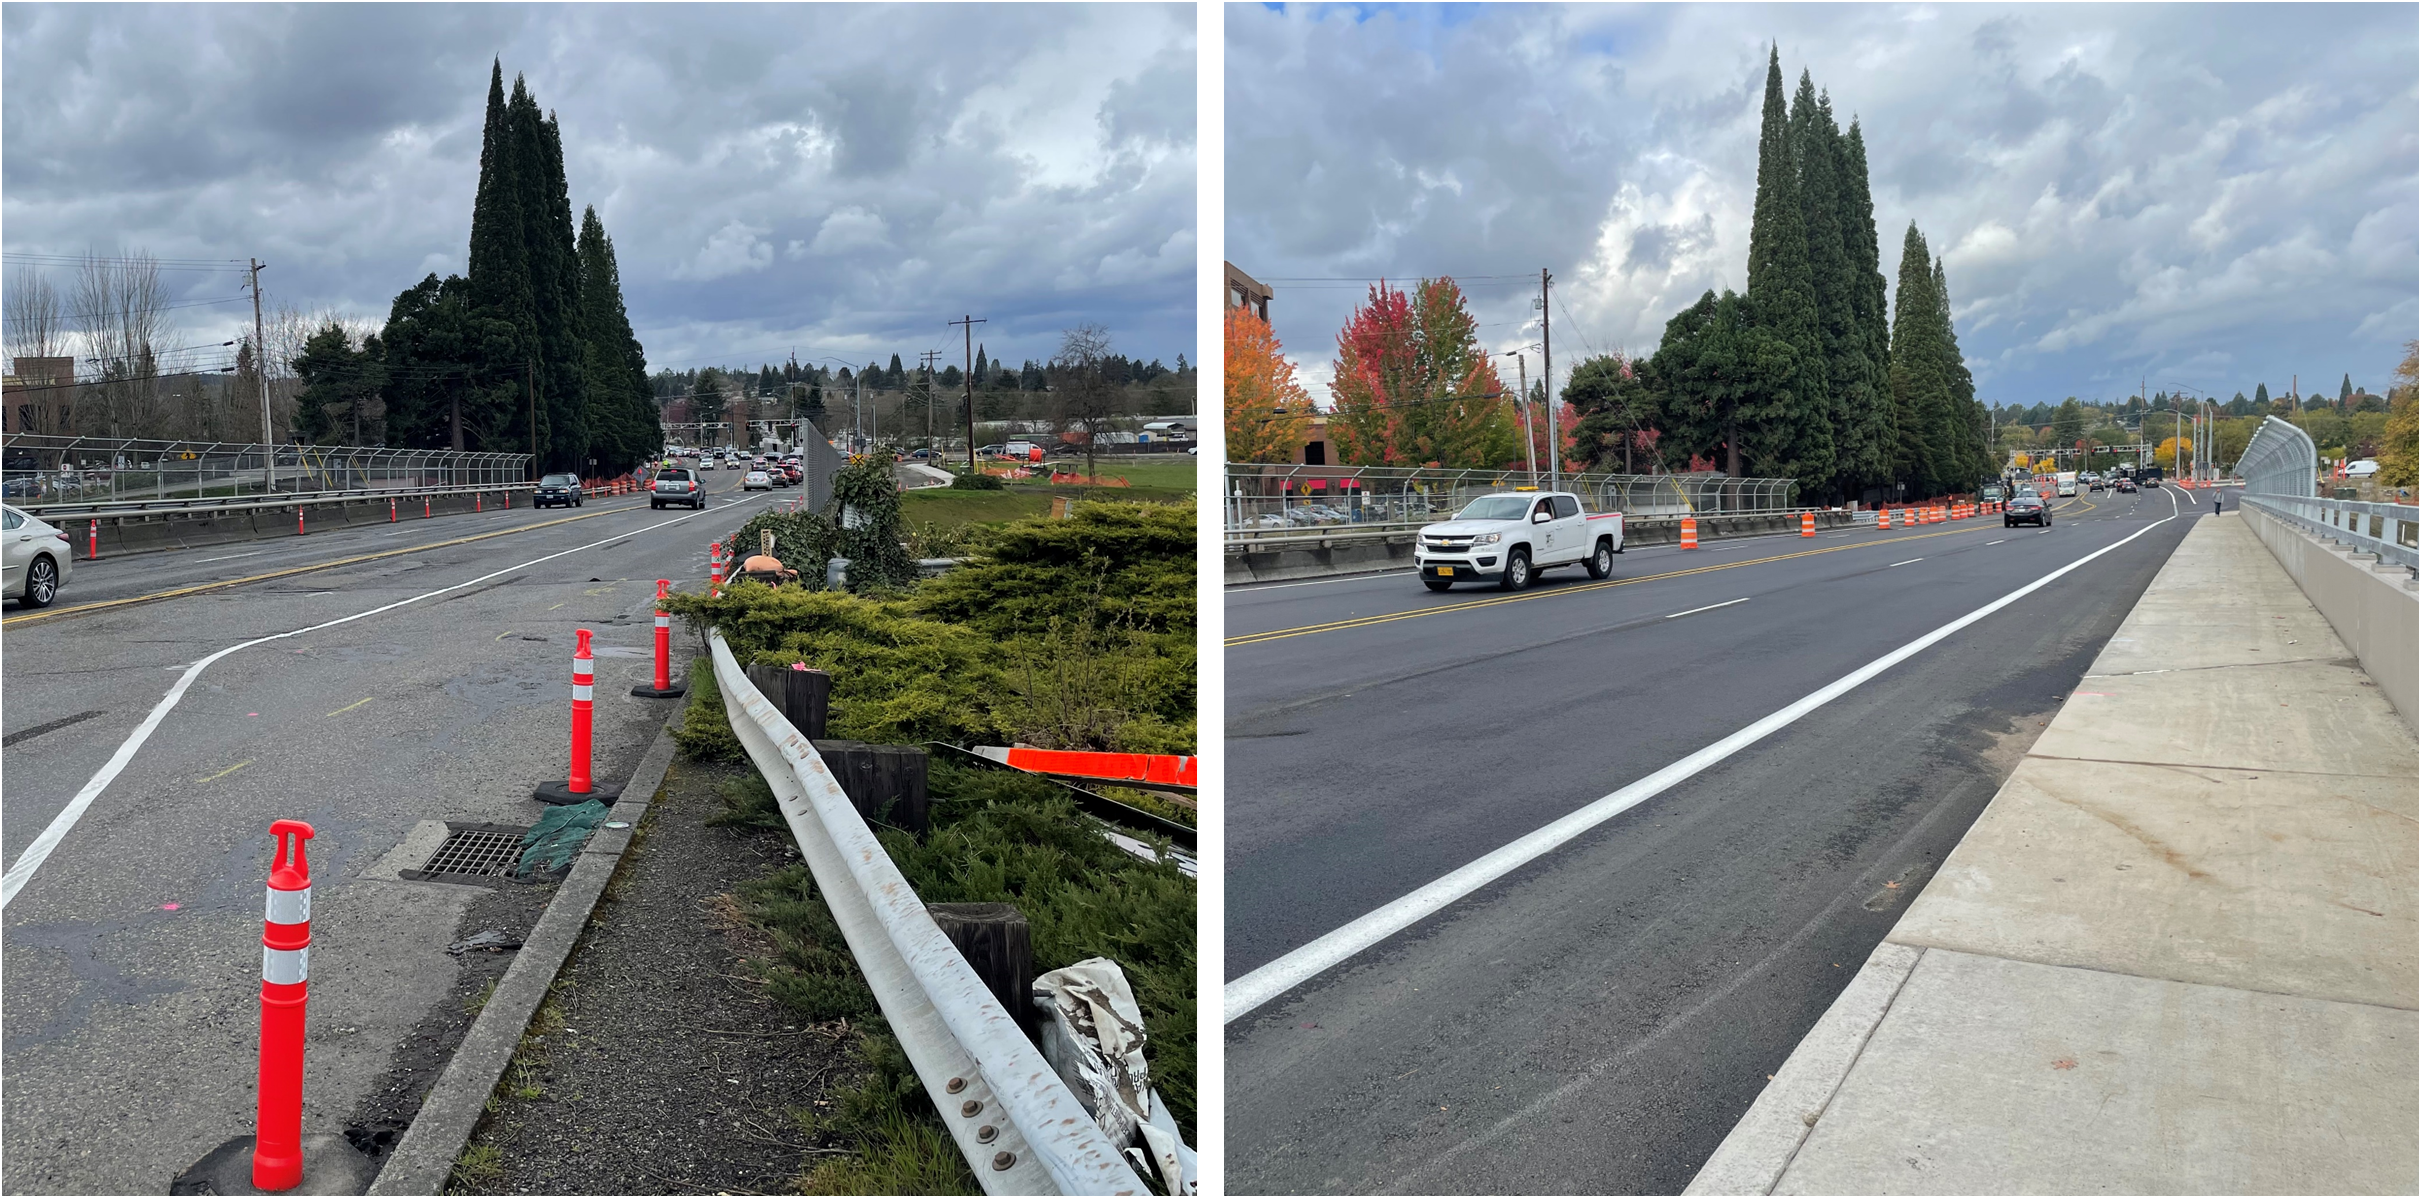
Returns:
<point x="1255" y="638"/>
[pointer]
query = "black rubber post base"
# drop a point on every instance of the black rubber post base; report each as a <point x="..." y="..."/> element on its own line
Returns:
<point x="559" y="794"/>
<point x="649" y="692"/>
<point x="331" y="1165"/>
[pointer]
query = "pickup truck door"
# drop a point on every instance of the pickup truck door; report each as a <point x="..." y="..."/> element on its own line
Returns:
<point x="1571" y="535"/>
<point x="1542" y="533"/>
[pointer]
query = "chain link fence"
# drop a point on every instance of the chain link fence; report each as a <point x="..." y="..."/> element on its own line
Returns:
<point x="1263" y="500"/>
<point x="38" y="471"/>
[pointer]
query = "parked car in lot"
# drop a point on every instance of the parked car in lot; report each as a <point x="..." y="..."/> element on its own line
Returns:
<point x="36" y="559"/>
<point x="756" y="480"/>
<point x="2027" y="508"/>
<point x="1512" y="536"/>
<point x="559" y="490"/>
<point x="676" y="486"/>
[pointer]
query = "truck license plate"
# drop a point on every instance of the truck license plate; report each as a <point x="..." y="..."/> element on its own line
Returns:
<point x="1445" y="571"/>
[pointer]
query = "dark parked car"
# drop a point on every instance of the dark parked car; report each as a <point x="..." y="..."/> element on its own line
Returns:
<point x="560" y="490"/>
<point x="2027" y="509"/>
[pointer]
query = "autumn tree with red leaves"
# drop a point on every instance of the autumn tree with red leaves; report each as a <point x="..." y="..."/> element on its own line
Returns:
<point x="1412" y="386"/>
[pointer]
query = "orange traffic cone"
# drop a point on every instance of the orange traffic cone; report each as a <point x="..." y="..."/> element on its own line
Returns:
<point x="1807" y="524"/>
<point x="1689" y="532"/>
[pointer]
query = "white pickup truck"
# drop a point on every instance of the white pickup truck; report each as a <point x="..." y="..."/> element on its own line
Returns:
<point x="1513" y="535"/>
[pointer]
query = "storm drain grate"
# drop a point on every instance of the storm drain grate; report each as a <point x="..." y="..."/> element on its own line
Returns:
<point x="474" y="851"/>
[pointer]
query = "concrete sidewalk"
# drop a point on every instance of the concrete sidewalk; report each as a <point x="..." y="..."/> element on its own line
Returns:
<point x="2176" y="954"/>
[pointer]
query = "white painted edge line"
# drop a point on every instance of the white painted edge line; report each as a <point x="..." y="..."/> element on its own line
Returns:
<point x="1243" y="995"/>
<point x="40" y="850"/>
<point x="2002" y="541"/>
<point x="1910" y="562"/>
<point x="1709" y="607"/>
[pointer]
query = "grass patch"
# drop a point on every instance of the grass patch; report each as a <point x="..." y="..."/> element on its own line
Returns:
<point x="996" y="837"/>
<point x="951" y="508"/>
<point x="478" y="1168"/>
<point x="705" y="733"/>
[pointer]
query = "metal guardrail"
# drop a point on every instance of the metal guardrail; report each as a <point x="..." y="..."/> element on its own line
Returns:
<point x="2387" y="529"/>
<point x="1266" y="500"/>
<point x="169" y="507"/>
<point x="2281" y="471"/>
<point x="966" y="1048"/>
<point x="35" y="468"/>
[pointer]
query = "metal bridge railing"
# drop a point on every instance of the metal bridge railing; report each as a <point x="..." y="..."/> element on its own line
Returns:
<point x="1265" y="500"/>
<point x="2279" y="460"/>
<point x="2281" y="471"/>
<point x="39" y="471"/>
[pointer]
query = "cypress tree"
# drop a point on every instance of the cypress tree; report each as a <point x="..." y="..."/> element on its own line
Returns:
<point x="1919" y="393"/>
<point x="1817" y="140"/>
<point x="1972" y="460"/>
<point x="503" y="324"/>
<point x="1791" y="427"/>
<point x="1877" y="431"/>
<point x="620" y="397"/>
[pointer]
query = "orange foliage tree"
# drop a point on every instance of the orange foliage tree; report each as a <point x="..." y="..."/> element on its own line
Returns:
<point x="1268" y="412"/>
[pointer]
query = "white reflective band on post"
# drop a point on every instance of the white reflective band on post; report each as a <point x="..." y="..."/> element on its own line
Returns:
<point x="290" y="906"/>
<point x="285" y="966"/>
<point x="583" y="692"/>
<point x="663" y="621"/>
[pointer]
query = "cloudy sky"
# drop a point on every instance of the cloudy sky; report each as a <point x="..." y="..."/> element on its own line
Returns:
<point x="841" y="178"/>
<point x="2211" y="196"/>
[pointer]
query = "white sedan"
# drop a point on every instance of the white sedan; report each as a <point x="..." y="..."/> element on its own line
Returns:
<point x="35" y="559"/>
<point x="756" y="480"/>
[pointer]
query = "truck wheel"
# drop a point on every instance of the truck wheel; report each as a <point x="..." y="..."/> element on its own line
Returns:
<point x="1517" y="571"/>
<point x="1437" y="584"/>
<point x="1601" y="562"/>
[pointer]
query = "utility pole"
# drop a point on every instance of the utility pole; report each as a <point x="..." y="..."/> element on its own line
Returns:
<point x="260" y="379"/>
<point x="1546" y="379"/>
<point x="970" y="321"/>
<point x="1521" y="367"/>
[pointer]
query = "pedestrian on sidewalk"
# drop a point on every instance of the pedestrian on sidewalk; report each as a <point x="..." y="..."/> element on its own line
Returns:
<point x="2214" y="503"/>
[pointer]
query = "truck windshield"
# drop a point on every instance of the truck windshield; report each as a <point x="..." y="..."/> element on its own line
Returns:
<point x="1496" y="507"/>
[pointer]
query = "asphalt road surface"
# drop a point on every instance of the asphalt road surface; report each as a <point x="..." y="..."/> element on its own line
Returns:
<point x="1596" y="1020"/>
<point x="131" y="955"/>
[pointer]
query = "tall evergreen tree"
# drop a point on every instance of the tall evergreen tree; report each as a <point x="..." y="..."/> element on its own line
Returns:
<point x="1798" y="434"/>
<point x="1873" y="437"/>
<point x="1816" y="143"/>
<point x="1920" y="395"/>
<point x="622" y="407"/>
<point x="1971" y="460"/>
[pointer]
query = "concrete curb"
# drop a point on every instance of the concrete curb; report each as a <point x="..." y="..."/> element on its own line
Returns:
<point x="424" y="1158"/>
<point x="1752" y="1158"/>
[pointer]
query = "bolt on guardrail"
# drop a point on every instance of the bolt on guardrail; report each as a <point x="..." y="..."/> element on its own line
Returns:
<point x="1019" y="1127"/>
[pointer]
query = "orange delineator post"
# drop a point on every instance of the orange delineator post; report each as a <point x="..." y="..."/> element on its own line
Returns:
<point x="277" y="1140"/>
<point x="1138" y="769"/>
<point x="1807" y="524"/>
<point x="584" y="690"/>
<point x="92" y="552"/>
<point x="1689" y="532"/>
